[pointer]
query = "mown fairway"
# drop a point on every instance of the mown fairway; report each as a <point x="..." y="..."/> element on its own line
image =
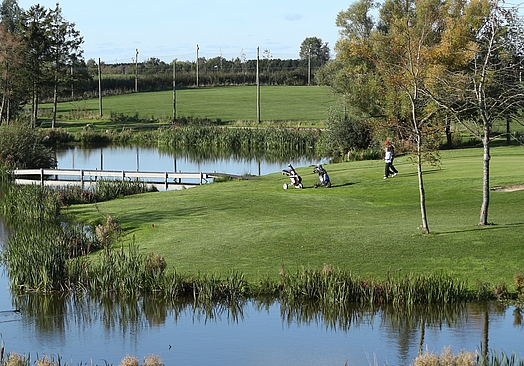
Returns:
<point x="229" y="104"/>
<point x="364" y="223"/>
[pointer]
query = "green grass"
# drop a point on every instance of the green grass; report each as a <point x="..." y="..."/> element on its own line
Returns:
<point x="363" y="223"/>
<point x="308" y="105"/>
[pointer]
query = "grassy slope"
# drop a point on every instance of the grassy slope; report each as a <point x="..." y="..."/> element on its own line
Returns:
<point x="230" y="104"/>
<point x="364" y="223"/>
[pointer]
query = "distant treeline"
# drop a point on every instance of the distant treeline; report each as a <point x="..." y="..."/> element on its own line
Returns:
<point x="156" y="75"/>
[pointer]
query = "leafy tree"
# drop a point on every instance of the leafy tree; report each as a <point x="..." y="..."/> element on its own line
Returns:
<point x="385" y="68"/>
<point x="345" y="133"/>
<point x="11" y="62"/>
<point x="314" y="47"/>
<point x="37" y="44"/>
<point x="21" y="147"/>
<point x="488" y="86"/>
<point x="10" y="14"/>
<point x="64" y="51"/>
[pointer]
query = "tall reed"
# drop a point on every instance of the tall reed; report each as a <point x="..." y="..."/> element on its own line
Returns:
<point x="239" y="139"/>
<point x="23" y="205"/>
<point x="334" y="286"/>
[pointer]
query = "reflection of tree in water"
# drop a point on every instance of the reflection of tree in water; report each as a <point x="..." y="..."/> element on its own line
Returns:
<point x="213" y="153"/>
<point x="405" y="326"/>
<point x="51" y="312"/>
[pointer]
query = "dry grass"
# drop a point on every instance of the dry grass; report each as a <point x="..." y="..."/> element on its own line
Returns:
<point x="129" y="361"/>
<point x="14" y="359"/>
<point x="150" y="360"/>
<point x="153" y="360"/>
<point x="446" y="358"/>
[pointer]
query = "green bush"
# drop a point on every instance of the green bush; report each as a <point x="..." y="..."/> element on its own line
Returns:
<point x="22" y="147"/>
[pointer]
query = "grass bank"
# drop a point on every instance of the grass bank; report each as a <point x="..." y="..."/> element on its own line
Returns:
<point x="363" y="224"/>
<point x="231" y="105"/>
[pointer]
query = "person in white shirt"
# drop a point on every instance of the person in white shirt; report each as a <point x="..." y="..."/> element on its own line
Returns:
<point x="388" y="158"/>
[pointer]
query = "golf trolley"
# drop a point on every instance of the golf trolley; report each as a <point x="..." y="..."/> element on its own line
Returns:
<point x="296" y="180"/>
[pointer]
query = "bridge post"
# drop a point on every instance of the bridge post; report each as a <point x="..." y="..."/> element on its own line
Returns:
<point x="41" y="176"/>
<point x="165" y="179"/>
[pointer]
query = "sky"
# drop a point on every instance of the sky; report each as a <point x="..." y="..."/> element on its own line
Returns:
<point x="171" y="29"/>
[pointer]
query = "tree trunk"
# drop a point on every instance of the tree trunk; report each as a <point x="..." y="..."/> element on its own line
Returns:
<point x="485" y="333"/>
<point x="449" y="139"/>
<point x="485" y="179"/>
<point x="508" y="131"/>
<point x="55" y="103"/>
<point x="425" y="227"/>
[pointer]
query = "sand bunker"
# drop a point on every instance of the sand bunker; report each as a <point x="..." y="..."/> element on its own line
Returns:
<point x="517" y="187"/>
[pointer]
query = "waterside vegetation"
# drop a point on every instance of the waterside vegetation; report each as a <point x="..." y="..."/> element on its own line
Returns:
<point x="248" y="238"/>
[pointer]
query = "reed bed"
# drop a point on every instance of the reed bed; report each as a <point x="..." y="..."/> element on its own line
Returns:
<point x="240" y="139"/>
<point x="128" y="273"/>
<point x="23" y="205"/>
<point x="334" y="286"/>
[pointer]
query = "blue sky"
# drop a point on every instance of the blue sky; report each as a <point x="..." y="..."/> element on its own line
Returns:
<point x="169" y="29"/>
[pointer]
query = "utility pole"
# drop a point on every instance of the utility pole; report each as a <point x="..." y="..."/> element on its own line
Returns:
<point x="258" y="85"/>
<point x="136" y="71"/>
<point x="197" y="67"/>
<point x="72" y="85"/>
<point x="309" y="66"/>
<point x="99" y="87"/>
<point x="174" y="90"/>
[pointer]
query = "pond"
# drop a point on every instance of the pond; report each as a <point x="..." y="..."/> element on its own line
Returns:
<point x="152" y="160"/>
<point x="82" y="329"/>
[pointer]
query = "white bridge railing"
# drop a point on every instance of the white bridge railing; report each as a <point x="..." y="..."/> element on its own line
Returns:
<point x="27" y="176"/>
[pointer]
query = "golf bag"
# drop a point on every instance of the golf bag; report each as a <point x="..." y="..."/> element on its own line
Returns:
<point x="322" y="176"/>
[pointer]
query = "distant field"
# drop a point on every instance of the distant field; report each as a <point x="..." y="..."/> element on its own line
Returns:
<point x="229" y="104"/>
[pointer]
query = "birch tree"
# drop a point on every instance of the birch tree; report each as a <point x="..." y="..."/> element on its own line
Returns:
<point x="487" y="86"/>
<point x="387" y="67"/>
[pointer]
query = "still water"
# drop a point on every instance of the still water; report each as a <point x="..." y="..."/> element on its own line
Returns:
<point x="81" y="329"/>
<point x="153" y="160"/>
<point x="252" y="333"/>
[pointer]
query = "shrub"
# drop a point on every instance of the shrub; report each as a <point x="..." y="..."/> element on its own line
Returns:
<point x="22" y="147"/>
<point x="106" y="233"/>
<point x="347" y="133"/>
<point x="56" y="136"/>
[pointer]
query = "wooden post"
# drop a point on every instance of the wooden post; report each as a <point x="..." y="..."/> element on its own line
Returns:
<point x="174" y="90"/>
<point x="258" y="85"/>
<point x="309" y="66"/>
<point x="99" y="87"/>
<point x="136" y="71"/>
<point x="197" y="66"/>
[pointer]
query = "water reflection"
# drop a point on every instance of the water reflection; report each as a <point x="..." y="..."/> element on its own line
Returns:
<point x="80" y="327"/>
<point x="154" y="160"/>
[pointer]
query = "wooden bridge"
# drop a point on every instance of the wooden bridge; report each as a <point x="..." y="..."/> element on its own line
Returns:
<point x="61" y="177"/>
